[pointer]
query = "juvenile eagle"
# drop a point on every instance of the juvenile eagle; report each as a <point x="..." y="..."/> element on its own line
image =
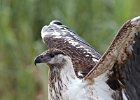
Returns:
<point x="116" y="76"/>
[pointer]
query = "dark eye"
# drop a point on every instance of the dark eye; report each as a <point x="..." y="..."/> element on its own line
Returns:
<point x="51" y="55"/>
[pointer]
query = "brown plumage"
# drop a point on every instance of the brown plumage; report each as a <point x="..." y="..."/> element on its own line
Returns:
<point x="116" y="76"/>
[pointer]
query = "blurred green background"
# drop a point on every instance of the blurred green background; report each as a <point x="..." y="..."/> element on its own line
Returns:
<point x="96" y="21"/>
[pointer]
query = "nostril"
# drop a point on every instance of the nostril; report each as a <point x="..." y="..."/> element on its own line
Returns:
<point x="41" y="56"/>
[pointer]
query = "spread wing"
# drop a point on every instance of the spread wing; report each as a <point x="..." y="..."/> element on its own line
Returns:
<point x="84" y="57"/>
<point x="122" y="61"/>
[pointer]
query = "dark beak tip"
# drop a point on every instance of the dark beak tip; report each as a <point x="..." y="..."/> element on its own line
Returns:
<point x="37" y="60"/>
<point x="35" y="63"/>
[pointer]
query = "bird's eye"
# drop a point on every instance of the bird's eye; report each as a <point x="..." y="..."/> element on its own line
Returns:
<point x="51" y="55"/>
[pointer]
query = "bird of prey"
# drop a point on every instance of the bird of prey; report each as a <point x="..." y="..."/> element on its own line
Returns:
<point x="83" y="56"/>
<point x="116" y="76"/>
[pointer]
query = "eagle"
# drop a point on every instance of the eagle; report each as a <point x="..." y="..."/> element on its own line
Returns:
<point x="114" y="76"/>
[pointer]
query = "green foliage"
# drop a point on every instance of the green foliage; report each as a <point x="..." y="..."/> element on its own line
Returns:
<point x="96" y="21"/>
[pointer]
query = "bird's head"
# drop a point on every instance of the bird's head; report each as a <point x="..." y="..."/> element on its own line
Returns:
<point x="51" y="57"/>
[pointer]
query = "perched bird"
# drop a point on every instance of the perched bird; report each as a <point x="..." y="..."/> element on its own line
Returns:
<point x="83" y="56"/>
<point x="115" y="77"/>
<point x="63" y="82"/>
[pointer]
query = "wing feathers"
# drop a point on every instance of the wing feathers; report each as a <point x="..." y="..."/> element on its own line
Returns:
<point x="131" y="71"/>
<point x="119" y="50"/>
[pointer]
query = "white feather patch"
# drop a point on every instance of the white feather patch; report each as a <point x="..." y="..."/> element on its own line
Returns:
<point x="44" y="32"/>
<point x="136" y="21"/>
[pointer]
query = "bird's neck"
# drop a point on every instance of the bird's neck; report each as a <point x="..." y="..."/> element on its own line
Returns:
<point x="59" y="79"/>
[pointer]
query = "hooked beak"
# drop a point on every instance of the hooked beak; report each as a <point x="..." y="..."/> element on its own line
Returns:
<point x="38" y="59"/>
